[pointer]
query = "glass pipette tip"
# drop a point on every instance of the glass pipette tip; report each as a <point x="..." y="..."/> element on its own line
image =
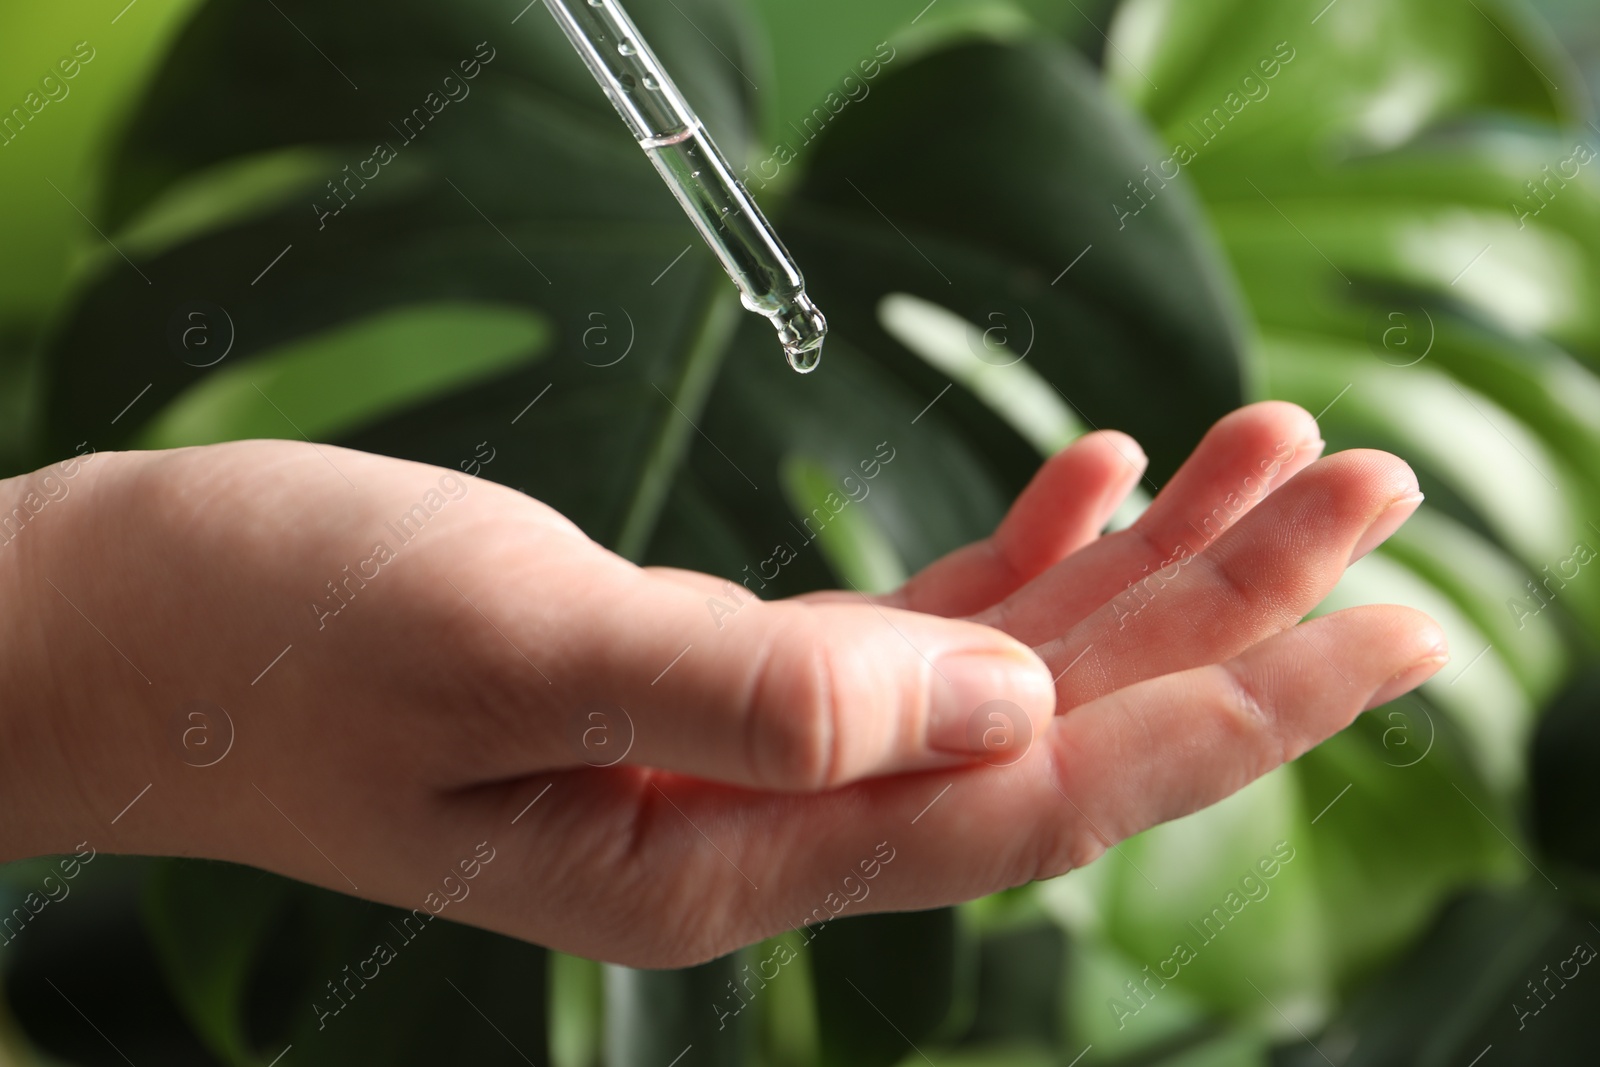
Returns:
<point x="720" y="207"/>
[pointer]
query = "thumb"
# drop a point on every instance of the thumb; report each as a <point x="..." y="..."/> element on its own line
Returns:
<point x="795" y="695"/>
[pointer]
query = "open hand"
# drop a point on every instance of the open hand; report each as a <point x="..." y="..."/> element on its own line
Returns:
<point x="460" y="672"/>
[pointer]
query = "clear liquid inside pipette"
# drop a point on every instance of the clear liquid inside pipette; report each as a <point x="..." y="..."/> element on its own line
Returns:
<point x="769" y="283"/>
<point x="718" y="204"/>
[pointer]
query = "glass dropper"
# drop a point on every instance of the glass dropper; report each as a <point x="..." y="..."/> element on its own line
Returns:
<point x="667" y="128"/>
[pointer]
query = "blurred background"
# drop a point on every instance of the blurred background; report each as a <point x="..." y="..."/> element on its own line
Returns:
<point x="1135" y="215"/>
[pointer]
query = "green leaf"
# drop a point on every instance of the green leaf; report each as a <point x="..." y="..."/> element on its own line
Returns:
<point x="1008" y="1055"/>
<point x="42" y="235"/>
<point x="209" y="930"/>
<point x="86" y="953"/>
<point x="854" y="546"/>
<point x="974" y="181"/>
<point x="1366" y="166"/>
<point x="1563" y="784"/>
<point x="340" y="380"/>
<point x="1101" y="1012"/>
<point x="885" y="984"/>
<point x="531" y="167"/>
<point x="1494" y="714"/>
<point x="1163" y="892"/>
<point x="576" y="1011"/>
<point x="1466" y="987"/>
<point x="1414" y="826"/>
<point x="999" y="377"/>
<point x="50" y="170"/>
<point x="659" y="417"/>
<point x="1410" y="224"/>
<point x="227" y="194"/>
<point x="1365" y="76"/>
<point x="788" y="1010"/>
<point x="690" y="1017"/>
<point x="1021" y="974"/>
<point x="261" y="963"/>
<point x="914" y="485"/>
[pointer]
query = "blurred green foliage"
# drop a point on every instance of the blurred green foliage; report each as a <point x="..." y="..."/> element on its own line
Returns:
<point x="1327" y="203"/>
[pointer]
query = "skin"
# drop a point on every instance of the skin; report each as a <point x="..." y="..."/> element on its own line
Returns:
<point x="781" y="753"/>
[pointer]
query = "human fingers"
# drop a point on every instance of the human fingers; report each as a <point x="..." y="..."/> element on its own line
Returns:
<point x="1240" y="462"/>
<point x="748" y="865"/>
<point x="1065" y="506"/>
<point x="1260" y="577"/>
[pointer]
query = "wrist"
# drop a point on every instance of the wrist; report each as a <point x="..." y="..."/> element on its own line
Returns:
<point x="45" y="679"/>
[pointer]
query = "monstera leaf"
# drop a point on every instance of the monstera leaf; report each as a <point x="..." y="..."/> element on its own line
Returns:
<point x="317" y="234"/>
<point x="1367" y="167"/>
<point x="420" y="230"/>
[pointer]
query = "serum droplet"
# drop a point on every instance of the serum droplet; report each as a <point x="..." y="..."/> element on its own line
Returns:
<point x="804" y="361"/>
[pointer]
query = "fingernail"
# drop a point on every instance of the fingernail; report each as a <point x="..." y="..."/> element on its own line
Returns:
<point x="1137" y="463"/>
<point x="1384" y="526"/>
<point x="982" y="701"/>
<point x="1409" y="678"/>
<point x="1129" y="449"/>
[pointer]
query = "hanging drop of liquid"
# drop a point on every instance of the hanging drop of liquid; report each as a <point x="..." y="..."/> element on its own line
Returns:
<point x="804" y="360"/>
<point x="717" y="202"/>
<point x="801" y="330"/>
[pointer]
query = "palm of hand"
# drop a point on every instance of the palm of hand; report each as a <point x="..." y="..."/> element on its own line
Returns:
<point x="659" y="785"/>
